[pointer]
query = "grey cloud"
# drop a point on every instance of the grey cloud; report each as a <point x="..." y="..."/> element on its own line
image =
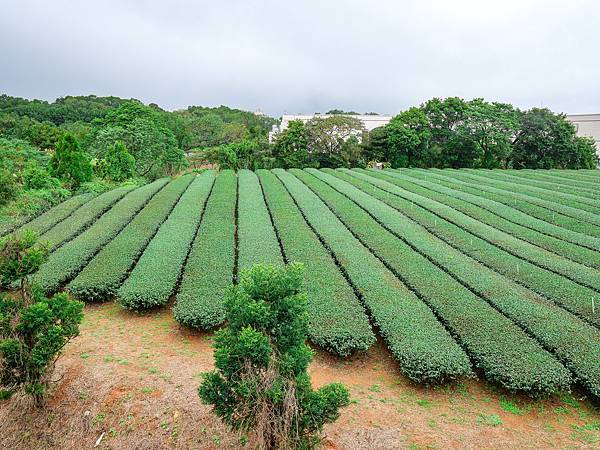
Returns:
<point x="304" y="56"/>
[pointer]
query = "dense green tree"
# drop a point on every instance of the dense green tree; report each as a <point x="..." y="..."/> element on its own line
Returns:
<point x="33" y="328"/>
<point x="139" y="127"/>
<point x="246" y="154"/>
<point x="409" y="139"/>
<point x="70" y="163"/>
<point x="375" y="145"/>
<point x="547" y="140"/>
<point x="261" y="385"/>
<point x="289" y="148"/>
<point x="326" y="138"/>
<point x="118" y="164"/>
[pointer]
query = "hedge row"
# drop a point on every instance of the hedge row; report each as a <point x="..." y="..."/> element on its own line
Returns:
<point x="551" y="202"/>
<point x="83" y="217"/>
<point x="451" y="209"/>
<point x="337" y="320"/>
<point x="60" y="212"/>
<point x="571" y="340"/>
<point x="101" y="278"/>
<point x="155" y="275"/>
<point x="531" y="179"/>
<point x="548" y="191"/>
<point x="209" y="268"/>
<point x="425" y="351"/>
<point x="591" y="177"/>
<point x="574" y="297"/>
<point x="500" y="210"/>
<point x="257" y="241"/>
<point x="511" y="200"/>
<point x="499" y="347"/>
<point x="68" y="260"/>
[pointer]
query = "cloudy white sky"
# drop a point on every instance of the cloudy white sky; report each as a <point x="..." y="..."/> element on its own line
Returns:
<point x="305" y="56"/>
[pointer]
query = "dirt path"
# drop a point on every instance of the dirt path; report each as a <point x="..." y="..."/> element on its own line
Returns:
<point x="134" y="377"/>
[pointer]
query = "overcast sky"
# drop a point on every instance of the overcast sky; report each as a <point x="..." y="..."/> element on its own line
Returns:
<point x="305" y="56"/>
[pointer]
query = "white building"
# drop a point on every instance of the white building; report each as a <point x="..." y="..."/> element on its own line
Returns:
<point x="587" y="125"/>
<point x="370" y="122"/>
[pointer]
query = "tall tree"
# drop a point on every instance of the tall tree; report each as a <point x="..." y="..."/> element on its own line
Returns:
<point x="69" y="162"/>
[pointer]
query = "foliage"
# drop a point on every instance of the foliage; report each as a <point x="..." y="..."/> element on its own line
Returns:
<point x="261" y="385"/>
<point x="69" y="162"/>
<point x="157" y="271"/>
<point x="8" y="186"/>
<point x="117" y="165"/>
<point x="329" y="141"/>
<point x="210" y="265"/>
<point x="547" y="140"/>
<point x="290" y="148"/>
<point x="246" y="154"/>
<point x="33" y="328"/>
<point x="83" y="217"/>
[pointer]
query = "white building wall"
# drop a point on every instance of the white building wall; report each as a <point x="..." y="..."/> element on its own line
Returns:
<point x="587" y="125"/>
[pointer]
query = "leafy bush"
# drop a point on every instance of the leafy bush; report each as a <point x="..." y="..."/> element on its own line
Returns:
<point x="261" y="385"/>
<point x="36" y="177"/>
<point x="33" y="328"/>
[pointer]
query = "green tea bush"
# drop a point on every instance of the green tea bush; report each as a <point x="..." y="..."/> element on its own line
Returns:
<point x="261" y="386"/>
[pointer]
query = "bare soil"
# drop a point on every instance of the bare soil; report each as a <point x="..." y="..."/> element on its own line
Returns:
<point x="129" y="381"/>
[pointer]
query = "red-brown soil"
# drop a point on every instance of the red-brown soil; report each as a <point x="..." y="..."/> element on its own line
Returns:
<point x="134" y="377"/>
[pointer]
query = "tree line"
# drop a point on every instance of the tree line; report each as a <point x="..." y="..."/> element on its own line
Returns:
<point x="440" y="133"/>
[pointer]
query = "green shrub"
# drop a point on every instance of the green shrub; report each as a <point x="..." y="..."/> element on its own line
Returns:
<point x="261" y="385"/>
<point x="118" y="164"/>
<point x="33" y="328"/>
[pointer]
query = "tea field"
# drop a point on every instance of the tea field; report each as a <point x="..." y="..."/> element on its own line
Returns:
<point x="462" y="273"/>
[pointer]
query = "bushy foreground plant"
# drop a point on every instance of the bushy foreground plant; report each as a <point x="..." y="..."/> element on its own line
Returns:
<point x="33" y="328"/>
<point x="261" y="386"/>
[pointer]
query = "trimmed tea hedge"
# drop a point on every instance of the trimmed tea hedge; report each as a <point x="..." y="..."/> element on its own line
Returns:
<point x="105" y="272"/>
<point x="451" y="209"/>
<point x="509" y="199"/>
<point x="69" y="259"/>
<point x="209" y="268"/>
<point x="60" y="212"/>
<point x="572" y="296"/>
<point x="153" y="279"/>
<point x="501" y="213"/>
<point x="570" y="339"/>
<point x="532" y="179"/>
<point x="337" y="320"/>
<point x="83" y="217"/>
<point x="548" y="201"/>
<point x="425" y="351"/>
<point x="570" y="197"/>
<point x="257" y="241"/>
